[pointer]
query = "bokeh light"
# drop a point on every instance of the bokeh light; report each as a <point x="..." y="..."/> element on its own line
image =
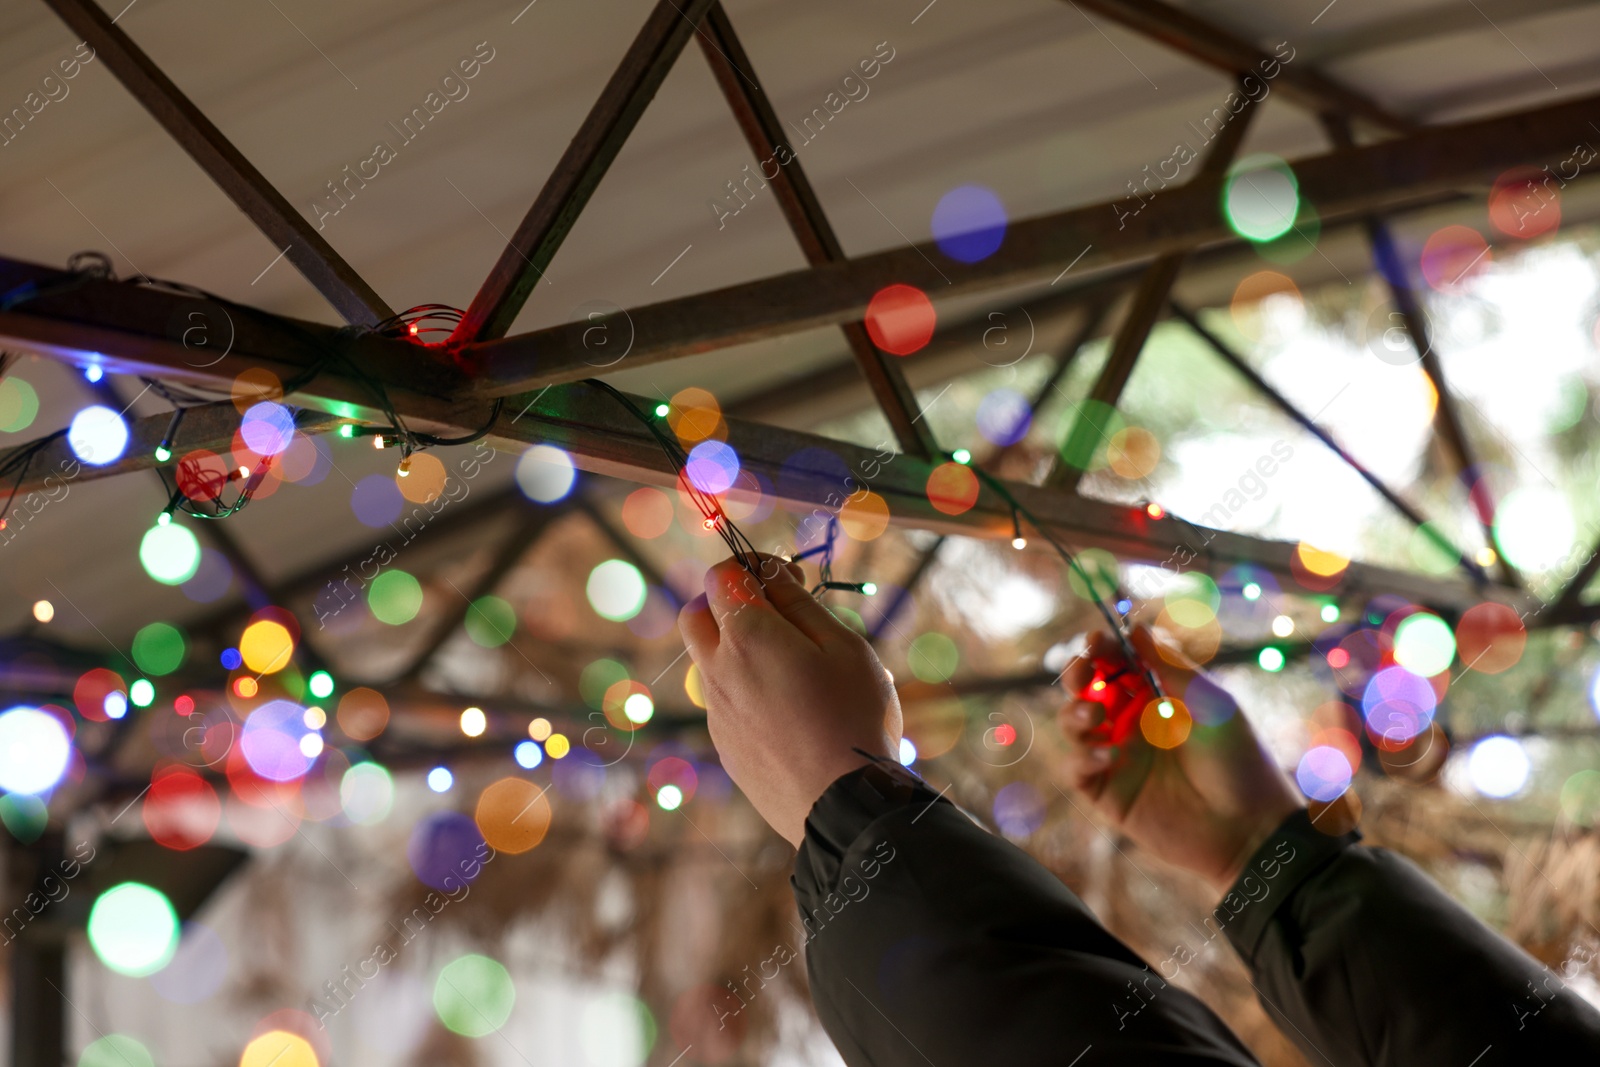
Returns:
<point x="864" y="517"/>
<point x="1004" y="416"/>
<point x="473" y="995"/>
<point x="115" y="1050"/>
<point x="513" y="815"/>
<point x="394" y="597"/>
<point x="1398" y="705"/>
<point x="1533" y="528"/>
<point x="616" y="590"/>
<point x="440" y="779"/>
<point x="900" y="319"/>
<point x="279" y="1048"/>
<point x="1166" y="723"/>
<point x="1490" y="638"/>
<point x="1580" y="798"/>
<point x="933" y="657"/>
<point x="1261" y="198"/>
<point x="320" y="684"/>
<point x="528" y="754"/>
<point x="695" y="415"/>
<point x="158" y="648"/>
<point x="1453" y="255"/>
<point x="425" y="478"/>
<point x="271" y="741"/>
<point x="545" y="474"/>
<point x="97" y="435"/>
<point x="366" y="793"/>
<point x="1498" y="766"/>
<point x="376" y="501"/>
<point x="267" y="428"/>
<point x="1133" y="452"/>
<point x="133" y="929"/>
<point x="647" y="513"/>
<point x="446" y="850"/>
<point x="1019" y="810"/>
<point x="181" y="809"/>
<point x="202" y="474"/>
<point x="491" y="621"/>
<point x="19" y="405"/>
<point x="1424" y="645"/>
<point x="616" y="1030"/>
<point x="1523" y="203"/>
<point x="362" y="713"/>
<point x="1324" y="773"/>
<point x="969" y="223"/>
<point x="1319" y="561"/>
<point x="34" y="750"/>
<point x="712" y="466"/>
<point x="266" y="646"/>
<point x="952" y="488"/>
<point x="474" y="722"/>
<point x="169" y="553"/>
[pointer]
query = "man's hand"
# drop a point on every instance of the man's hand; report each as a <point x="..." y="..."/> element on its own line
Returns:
<point x="1204" y="805"/>
<point x="790" y="690"/>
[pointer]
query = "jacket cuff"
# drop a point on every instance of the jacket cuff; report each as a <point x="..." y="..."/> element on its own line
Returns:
<point x="1294" y="852"/>
<point x="845" y="811"/>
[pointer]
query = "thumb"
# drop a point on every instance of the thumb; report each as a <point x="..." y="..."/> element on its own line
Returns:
<point x="1208" y="703"/>
<point x="795" y="603"/>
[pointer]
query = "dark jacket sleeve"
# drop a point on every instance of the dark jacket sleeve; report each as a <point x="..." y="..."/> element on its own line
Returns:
<point x="932" y="943"/>
<point x="1362" y="960"/>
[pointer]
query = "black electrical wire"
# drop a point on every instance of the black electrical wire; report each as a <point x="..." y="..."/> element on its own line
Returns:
<point x="1115" y="620"/>
<point x="744" y="550"/>
<point x="22" y="460"/>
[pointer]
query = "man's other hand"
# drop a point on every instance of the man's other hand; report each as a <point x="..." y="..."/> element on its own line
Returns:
<point x="1203" y="804"/>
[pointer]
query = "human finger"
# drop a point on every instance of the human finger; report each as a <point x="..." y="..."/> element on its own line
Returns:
<point x="699" y="628"/>
<point x="1087" y="768"/>
<point x="794" y="602"/>
<point x="730" y="590"/>
<point x="1078" y="718"/>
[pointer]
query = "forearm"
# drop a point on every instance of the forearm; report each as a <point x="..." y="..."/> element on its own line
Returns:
<point x="1362" y="960"/>
<point x="930" y="940"/>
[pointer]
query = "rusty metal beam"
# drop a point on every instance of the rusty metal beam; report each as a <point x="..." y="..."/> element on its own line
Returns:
<point x="1083" y="440"/>
<point x="1570" y="599"/>
<point x="1094" y="315"/>
<point x="736" y="76"/>
<point x="605" y="438"/>
<point x="578" y="173"/>
<point x="1392" y="175"/>
<point x="247" y="187"/>
<point x="208" y="426"/>
<point x="1283" y="404"/>
<point x="1210" y="44"/>
<point x="1447" y="424"/>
